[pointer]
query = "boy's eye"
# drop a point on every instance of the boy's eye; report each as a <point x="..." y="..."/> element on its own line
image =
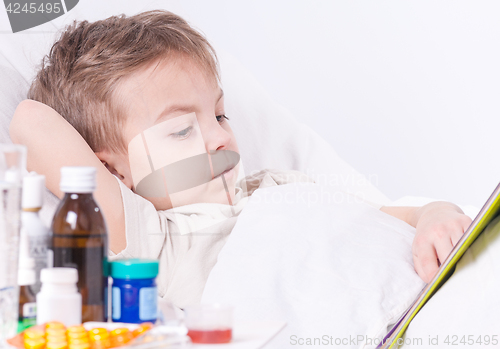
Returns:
<point x="221" y="118"/>
<point x="183" y="133"/>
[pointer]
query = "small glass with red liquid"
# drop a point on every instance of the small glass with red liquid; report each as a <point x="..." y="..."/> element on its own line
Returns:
<point x="209" y="323"/>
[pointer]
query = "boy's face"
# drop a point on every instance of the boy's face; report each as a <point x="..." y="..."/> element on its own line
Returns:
<point x="177" y="133"/>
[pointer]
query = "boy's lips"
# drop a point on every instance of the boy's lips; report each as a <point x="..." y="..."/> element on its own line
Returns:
<point x="223" y="162"/>
<point x="227" y="173"/>
<point x="188" y="173"/>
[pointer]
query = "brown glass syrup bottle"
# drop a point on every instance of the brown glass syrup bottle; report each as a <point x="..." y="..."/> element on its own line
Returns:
<point x="80" y="240"/>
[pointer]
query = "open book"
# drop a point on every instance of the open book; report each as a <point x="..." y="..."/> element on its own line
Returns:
<point x="489" y="211"/>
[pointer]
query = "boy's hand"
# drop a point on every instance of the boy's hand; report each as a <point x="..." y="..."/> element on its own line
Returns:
<point x="439" y="227"/>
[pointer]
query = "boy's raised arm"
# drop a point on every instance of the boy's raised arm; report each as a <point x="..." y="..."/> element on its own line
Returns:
<point x="52" y="143"/>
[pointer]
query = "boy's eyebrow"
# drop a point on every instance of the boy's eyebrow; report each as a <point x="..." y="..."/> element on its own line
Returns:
<point x="167" y="113"/>
<point x="181" y="108"/>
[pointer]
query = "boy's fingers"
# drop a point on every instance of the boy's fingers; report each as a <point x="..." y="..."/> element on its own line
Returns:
<point x="466" y="222"/>
<point x="425" y="260"/>
<point x="443" y="248"/>
<point x="456" y="236"/>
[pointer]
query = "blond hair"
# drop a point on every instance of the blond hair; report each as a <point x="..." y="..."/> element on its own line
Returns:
<point x="79" y="75"/>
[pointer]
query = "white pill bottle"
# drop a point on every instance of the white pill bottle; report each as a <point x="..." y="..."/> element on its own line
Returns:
<point x="58" y="299"/>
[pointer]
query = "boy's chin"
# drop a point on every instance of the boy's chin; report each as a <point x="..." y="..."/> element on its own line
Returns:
<point x="212" y="192"/>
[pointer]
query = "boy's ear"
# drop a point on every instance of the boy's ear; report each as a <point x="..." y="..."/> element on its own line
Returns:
<point x="118" y="165"/>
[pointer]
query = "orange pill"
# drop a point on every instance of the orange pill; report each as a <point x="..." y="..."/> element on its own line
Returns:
<point x="33" y="333"/>
<point x="37" y="343"/>
<point x="101" y="344"/>
<point x="120" y="331"/>
<point x="118" y="341"/>
<point x="121" y="336"/>
<point x="142" y="328"/>
<point x="55" y="332"/>
<point x="85" y="345"/>
<point x="55" y="339"/>
<point x="77" y="335"/>
<point x="57" y="345"/>
<point x="99" y="337"/>
<point x="55" y="324"/>
<point x="98" y="331"/>
<point x="78" y="340"/>
<point x="76" y="329"/>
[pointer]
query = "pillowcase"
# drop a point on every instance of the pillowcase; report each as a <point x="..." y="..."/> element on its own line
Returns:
<point x="13" y="89"/>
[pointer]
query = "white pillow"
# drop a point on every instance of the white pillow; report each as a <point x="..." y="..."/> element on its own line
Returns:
<point x="267" y="134"/>
<point x="13" y="89"/>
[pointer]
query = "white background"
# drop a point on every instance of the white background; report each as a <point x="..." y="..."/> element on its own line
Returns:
<point x="408" y="92"/>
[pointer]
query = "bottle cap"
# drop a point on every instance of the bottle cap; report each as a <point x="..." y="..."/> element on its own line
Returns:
<point x="59" y="275"/>
<point x="33" y="186"/>
<point x="13" y="175"/>
<point x="26" y="277"/>
<point x="78" y="179"/>
<point x="134" y="268"/>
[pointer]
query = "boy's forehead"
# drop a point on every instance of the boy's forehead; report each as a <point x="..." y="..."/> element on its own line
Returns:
<point x="166" y="71"/>
<point x="165" y="87"/>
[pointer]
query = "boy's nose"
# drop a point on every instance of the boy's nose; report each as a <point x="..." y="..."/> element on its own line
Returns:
<point x="216" y="138"/>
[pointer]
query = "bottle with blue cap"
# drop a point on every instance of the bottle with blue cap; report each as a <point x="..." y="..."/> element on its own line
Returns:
<point x="134" y="296"/>
<point x="80" y="239"/>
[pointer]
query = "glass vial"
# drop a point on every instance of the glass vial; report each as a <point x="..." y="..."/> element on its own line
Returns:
<point x="26" y="278"/>
<point x="80" y="240"/>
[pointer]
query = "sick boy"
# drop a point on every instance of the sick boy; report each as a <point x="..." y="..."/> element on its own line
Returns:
<point x="107" y="89"/>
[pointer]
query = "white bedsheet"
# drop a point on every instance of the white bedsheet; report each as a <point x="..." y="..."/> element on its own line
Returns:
<point x="465" y="311"/>
<point x="319" y="259"/>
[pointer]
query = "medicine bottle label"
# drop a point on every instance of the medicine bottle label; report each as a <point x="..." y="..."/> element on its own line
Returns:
<point x="29" y="310"/>
<point x="50" y="258"/>
<point x="28" y="317"/>
<point x="117" y="303"/>
<point x="38" y="248"/>
<point x="147" y="303"/>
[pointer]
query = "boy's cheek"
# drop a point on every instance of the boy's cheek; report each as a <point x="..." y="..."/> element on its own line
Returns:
<point x="176" y="171"/>
<point x="161" y="204"/>
<point x="211" y="192"/>
<point x="165" y="146"/>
